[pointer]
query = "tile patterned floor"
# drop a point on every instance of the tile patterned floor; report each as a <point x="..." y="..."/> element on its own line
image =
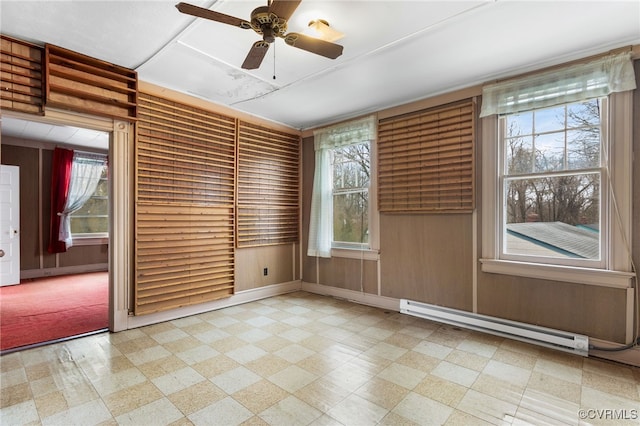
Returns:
<point x="304" y="359"/>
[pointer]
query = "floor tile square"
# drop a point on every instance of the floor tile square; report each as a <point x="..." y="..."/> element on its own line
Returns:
<point x="402" y="375"/>
<point x="290" y="411"/>
<point x="227" y="412"/>
<point x="381" y="392"/>
<point x="355" y="410"/>
<point x="260" y="396"/>
<point x="292" y="378"/>
<point x="486" y="407"/>
<point x="455" y="373"/>
<point x="177" y="380"/>
<point x="246" y="354"/>
<point x="294" y="353"/>
<point x="422" y="410"/>
<point x="234" y="380"/>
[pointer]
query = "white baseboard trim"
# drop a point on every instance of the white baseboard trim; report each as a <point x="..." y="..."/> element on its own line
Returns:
<point x="237" y="299"/>
<point x="354" y="296"/>
<point x="629" y="356"/>
<point x="64" y="270"/>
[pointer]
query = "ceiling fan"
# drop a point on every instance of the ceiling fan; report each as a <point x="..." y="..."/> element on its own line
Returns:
<point x="270" y="22"/>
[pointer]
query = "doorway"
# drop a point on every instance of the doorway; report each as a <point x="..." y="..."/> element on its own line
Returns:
<point x="29" y="145"/>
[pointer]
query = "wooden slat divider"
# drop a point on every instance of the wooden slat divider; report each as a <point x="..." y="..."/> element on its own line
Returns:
<point x="426" y="160"/>
<point x="22" y="76"/>
<point x="268" y="186"/>
<point x="185" y="198"/>
<point x="80" y="83"/>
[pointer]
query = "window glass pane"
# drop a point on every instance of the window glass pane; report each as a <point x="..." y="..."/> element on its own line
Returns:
<point x="519" y="151"/>
<point x="351" y="217"/>
<point x="89" y="225"/>
<point x="549" y="149"/>
<point x="549" y="119"/>
<point x="93" y="206"/>
<point x="583" y="148"/>
<point x="520" y="124"/>
<point x="584" y="114"/>
<point x="103" y="188"/>
<point x="350" y="194"/>
<point x="553" y="216"/>
<point x="337" y="174"/>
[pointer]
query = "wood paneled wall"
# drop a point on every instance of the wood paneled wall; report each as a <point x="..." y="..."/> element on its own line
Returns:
<point x="598" y="312"/>
<point x="185" y="172"/>
<point x="428" y="258"/>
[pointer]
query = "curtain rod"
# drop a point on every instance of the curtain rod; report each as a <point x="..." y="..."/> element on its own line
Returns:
<point x="72" y="148"/>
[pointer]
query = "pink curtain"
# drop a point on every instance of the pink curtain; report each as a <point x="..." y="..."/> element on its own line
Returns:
<point x="60" y="179"/>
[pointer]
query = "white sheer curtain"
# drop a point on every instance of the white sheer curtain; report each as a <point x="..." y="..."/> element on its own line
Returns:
<point x="86" y="171"/>
<point x="600" y="77"/>
<point x="338" y="136"/>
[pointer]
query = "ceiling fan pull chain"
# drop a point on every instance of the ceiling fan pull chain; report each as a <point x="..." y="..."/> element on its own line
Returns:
<point x="274" y="61"/>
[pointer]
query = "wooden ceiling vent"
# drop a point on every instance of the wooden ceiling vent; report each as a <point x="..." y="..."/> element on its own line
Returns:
<point x="87" y="85"/>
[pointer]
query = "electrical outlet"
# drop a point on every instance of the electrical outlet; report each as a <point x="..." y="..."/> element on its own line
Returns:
<point x="265" y="271"/>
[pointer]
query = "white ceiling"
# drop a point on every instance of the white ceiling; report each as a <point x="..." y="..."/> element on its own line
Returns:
<point x="394" y="51"/>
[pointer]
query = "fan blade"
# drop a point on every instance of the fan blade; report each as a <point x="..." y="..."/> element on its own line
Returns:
<point x="256" y="55"/>
<point x="284" y="8"/>
<point x="201" y="12"/>
<point x="314" y="45"/>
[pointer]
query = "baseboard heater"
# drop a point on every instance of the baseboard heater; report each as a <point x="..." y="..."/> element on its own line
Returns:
<point x="556" y="339"/>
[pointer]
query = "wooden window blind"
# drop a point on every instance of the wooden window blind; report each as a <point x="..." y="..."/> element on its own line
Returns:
<point x="185" y="171"/>
<point x="426" y="160"/>
<point x="268" y="186"/>
<point x="81" y="83"/>
<point x="21" y="77"/>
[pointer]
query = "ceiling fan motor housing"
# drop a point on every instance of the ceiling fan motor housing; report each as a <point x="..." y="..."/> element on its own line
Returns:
<point x="267" y="24"/>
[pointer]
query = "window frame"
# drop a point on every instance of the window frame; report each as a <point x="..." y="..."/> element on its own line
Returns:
<point x="616" y="159"/>
<point x="604" y="201"/>
<point x="362" y="250"/>
<point x="353" y="190"/>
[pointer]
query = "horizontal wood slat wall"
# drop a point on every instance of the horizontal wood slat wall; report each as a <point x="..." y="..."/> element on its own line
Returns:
<point x="21" y="76"/>
<point x="185" y="196"/>
<point x="426" y="160"/>
<point x="268" y="186"/>
<point x="88" y="85"/>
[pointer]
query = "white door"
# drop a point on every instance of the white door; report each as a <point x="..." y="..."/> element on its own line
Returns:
<point x="9" y="225"/>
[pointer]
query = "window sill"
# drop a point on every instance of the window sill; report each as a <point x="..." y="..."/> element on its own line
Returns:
<point x="571" y="274"/>
<point x="90" y="241"/>
<point x="355" y="254"/>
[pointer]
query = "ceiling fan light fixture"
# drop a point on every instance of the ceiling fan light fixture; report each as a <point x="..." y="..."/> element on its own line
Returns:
<point x="319" y="28"/>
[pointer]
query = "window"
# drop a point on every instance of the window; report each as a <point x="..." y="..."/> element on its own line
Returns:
<point x="556" y="185"/>
<point x="551" y="184"/>
<point x="343" y="205"/>
<point x="351" y="166"/>
<point x="92" y="219"/>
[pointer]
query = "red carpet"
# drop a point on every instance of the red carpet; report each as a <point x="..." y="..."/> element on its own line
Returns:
<point x="46" y="309"/>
